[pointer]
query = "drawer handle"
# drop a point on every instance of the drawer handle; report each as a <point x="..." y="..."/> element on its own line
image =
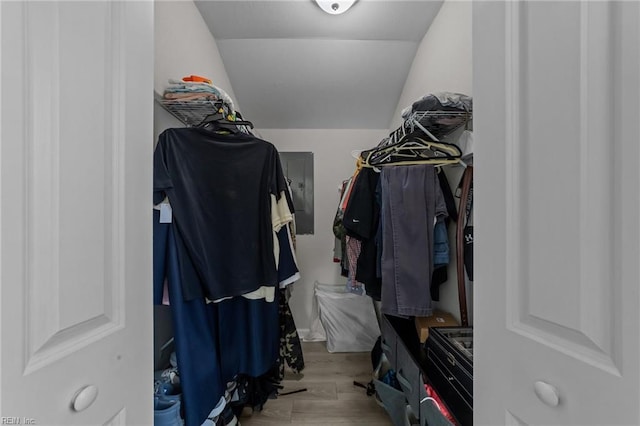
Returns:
<point x="451" y="359"/>
<point x="547" y="393"/>
<point x="404" y="382"/>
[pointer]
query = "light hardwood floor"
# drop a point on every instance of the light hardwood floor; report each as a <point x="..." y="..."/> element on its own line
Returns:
<point x="330" y="399"/>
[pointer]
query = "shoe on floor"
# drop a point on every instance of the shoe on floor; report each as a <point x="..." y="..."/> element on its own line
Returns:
<point x="166" y="412"/>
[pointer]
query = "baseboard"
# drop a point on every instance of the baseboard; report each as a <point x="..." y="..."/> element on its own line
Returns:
<point x="305" y="336"/>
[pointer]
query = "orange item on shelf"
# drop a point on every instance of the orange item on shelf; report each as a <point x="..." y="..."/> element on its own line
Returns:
<point x="197" y="78"/>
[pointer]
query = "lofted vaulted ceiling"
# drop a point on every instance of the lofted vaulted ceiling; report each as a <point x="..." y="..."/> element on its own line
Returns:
<point x="292" y="65"/>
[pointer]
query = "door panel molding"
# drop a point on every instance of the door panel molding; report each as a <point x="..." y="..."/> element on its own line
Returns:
<point x="575" y="325"/>
<point x="573" y="311"/>
<point x="57" y="325"/>
<point x="76" y="150"/>
<point x="511" y="419"/>
<point x="120" y="419"/>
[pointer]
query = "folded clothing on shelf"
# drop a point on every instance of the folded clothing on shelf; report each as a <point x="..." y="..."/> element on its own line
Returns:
<point x="441" y="101"/>
<point x="197" y="85"/>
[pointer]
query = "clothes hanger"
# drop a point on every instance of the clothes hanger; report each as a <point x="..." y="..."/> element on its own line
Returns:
<point x="430" y="149"/>
<point x="219" y="121"/>
<point x="414" y="149"/>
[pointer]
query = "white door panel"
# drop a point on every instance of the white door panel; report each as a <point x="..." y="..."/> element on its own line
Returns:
<point x="556" y="91"/>
<point x="76" y="122"/>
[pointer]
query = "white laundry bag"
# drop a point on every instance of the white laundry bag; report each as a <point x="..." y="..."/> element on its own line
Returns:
<point x="316" y="330"/>
<point x="349" y="320"/>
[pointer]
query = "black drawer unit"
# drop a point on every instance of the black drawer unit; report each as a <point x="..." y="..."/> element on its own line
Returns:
<point x="449" y="368"/>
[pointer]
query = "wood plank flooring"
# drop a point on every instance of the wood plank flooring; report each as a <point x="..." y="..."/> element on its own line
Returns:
<point x="330" y="399"/>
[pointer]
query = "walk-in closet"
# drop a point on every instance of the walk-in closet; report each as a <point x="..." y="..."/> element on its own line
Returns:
<point x="314" y="212"/>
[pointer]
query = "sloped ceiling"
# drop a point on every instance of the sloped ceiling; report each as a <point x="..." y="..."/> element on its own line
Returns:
<point x="292" y="65"/>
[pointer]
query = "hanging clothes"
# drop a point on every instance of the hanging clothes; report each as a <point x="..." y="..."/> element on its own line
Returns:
<point x="411" y="203"/>
<point x="194" y="324"/>
<point x="354" y="250"/>
<point x="228" y="196"/>
<point x="288" y="272"/>
<point x="441" y="238"/>
<point x="229" y="237"/>
<point x="339" y="230"/>
<point x="290" y="345"/>
<point x="217" y="342"/>
<point x="360" y="220"/>
<point x="248" y="336"/>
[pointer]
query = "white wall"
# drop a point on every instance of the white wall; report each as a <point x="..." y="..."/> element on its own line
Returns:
<point x="184" y="46"/>
<point x="332" y="164"/>
<point x="443" y="64"/>
<point x="443" y="60"/>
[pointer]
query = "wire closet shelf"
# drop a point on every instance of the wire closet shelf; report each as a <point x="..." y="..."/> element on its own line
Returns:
<point x="190" y="113"/>
<point x="435" y="124"/>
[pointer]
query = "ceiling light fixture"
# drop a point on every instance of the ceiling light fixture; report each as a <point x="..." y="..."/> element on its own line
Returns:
<point x="335" y="7"/>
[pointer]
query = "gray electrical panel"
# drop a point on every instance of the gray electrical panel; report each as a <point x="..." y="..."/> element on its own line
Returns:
<point x="298" y="169"/>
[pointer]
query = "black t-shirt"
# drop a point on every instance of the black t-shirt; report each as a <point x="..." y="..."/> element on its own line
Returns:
<point x="361" y="218"/>
<point x="220" y="188"/>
